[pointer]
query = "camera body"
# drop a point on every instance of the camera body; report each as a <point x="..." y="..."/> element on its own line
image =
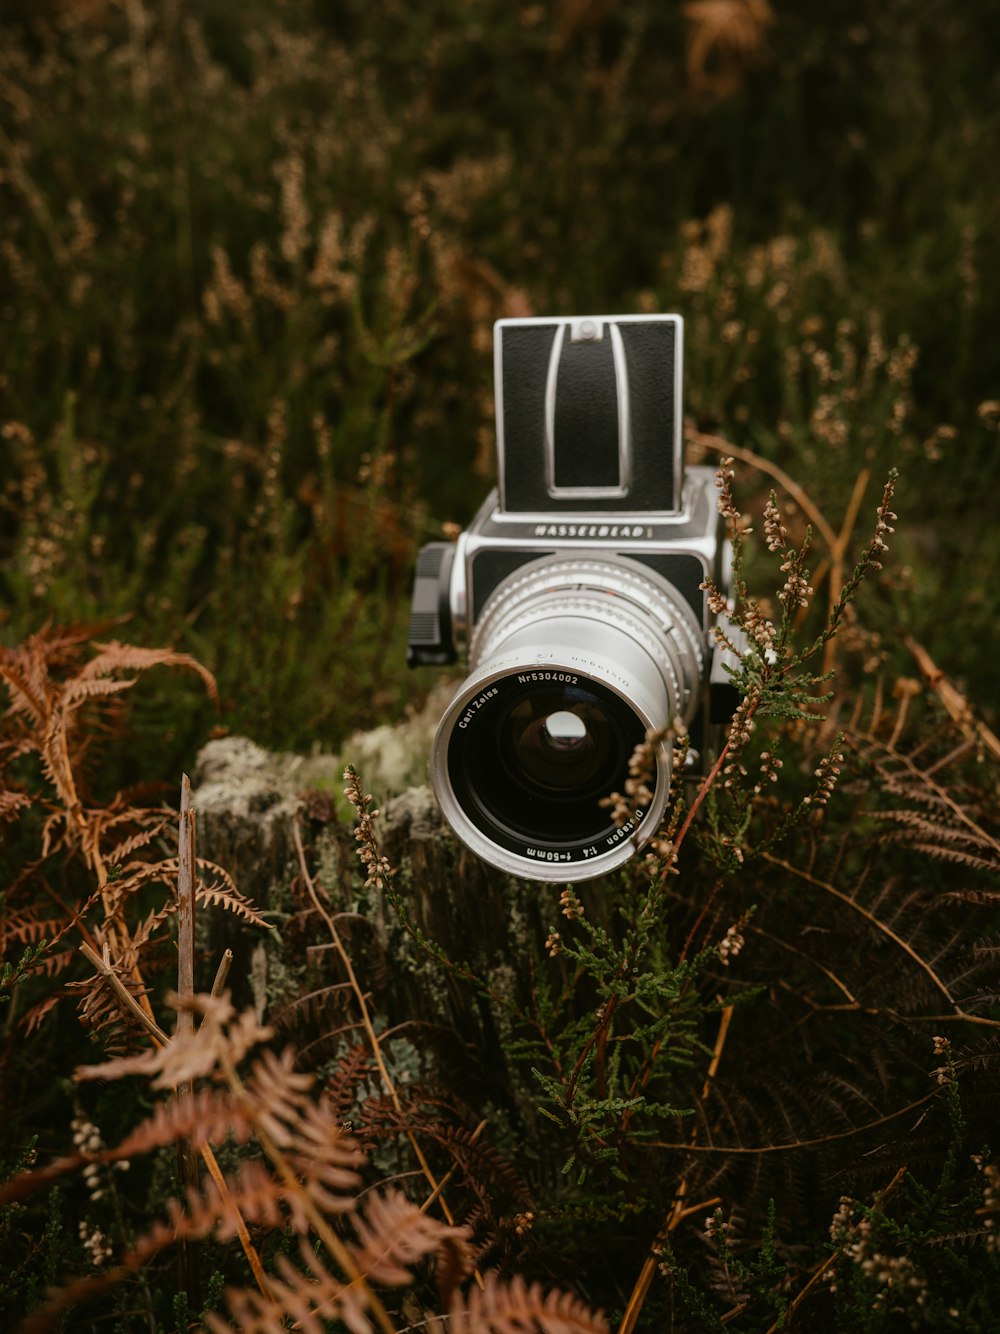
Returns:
<point x="575" y="595"/>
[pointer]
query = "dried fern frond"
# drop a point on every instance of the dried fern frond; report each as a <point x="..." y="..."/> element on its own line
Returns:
<point x="946" y="854"/>
<point x="12" y="802"/>
<point x="926" y="795"/>
<point x="206" y="1116"/>
<point x="180" y="1226"/>
<point x="983" y="898"/>
<point x="48" y="685"/>
<point x="326" y="1158"/>
<point x="26" y="926"/>
<point x="725" y="37"/>
<point x="279" y="1093"/>
<point x="310" y="1172"/>
<point x="224" y="894"/>
<point x="223" y="1038"/>
<point x="34" y="1016"/>
<point x="517" y="1308"/>
<point x="253" y="1194"/>
<point x="153" y="825"/>
<point x="353" y="1068"/>
<point x="145" y="932"/>
<point x="114" y="657"/>
<point x="323" y="1010"/>
<point x="25" y="673"/>
<point x="493" y="1178"/>
<point x="498" y="1192"/>
<point x="138" y="875"/>
<point x="101" y="1011"/>
<point x="55" y="832"/>
<point x="394" y="1235"/>
<point x="310" y="1297"/>
<point x="78" y="691"/>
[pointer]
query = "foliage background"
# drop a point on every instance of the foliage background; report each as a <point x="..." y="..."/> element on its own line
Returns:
<point x="250" y="258"/>
<point x="250" y="255"/>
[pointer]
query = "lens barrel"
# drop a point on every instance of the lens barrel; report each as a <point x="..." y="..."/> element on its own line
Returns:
<point x="574" y="660"/>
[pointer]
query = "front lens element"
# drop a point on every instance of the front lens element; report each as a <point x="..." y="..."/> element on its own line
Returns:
<point x="565" y="730"/>
<point x="534" y="763"/>
<point x="558" y="741"/>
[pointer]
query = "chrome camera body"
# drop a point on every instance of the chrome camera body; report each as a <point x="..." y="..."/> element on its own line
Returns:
<point x="575" y="596"/>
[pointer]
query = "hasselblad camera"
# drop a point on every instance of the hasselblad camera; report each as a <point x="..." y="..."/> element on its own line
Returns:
<point x="575" y="597"/>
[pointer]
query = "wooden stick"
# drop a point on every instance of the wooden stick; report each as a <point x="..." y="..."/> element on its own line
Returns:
<point x="222" y="973"/>
<point x="160" y="1039"/>
<point x="187" y="1162"/>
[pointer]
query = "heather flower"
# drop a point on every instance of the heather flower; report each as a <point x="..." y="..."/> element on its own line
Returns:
<point x="775" y="533"/>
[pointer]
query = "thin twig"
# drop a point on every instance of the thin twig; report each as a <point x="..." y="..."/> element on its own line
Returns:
<point x="887" y="931"/>
<point x="678" y="1211"/>
<point x="124" y="995"/>
<point x="785" y="1319"/>
<point x="838" y="552"/>
<point x="758" y="1150"/>
<point x="953" y="700"/>
<point x="249" y="1250"/>
<point x="842" y="987"/>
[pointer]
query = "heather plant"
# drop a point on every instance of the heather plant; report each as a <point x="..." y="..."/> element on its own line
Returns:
<point x="619" y="1031"/>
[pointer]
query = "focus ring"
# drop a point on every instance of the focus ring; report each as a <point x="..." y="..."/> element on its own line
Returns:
<point x="643" y="605"/>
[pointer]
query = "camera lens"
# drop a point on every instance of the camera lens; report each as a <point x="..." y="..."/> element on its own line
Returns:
<point x="574" y="661"/>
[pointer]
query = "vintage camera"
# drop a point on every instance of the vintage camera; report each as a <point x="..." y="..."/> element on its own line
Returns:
<point x="575" y="594"/>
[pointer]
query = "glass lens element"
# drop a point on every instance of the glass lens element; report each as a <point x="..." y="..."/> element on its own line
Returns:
<point x="561" y="749"/>
<point x="536" y="769"/>
<point x="564" y="730"/>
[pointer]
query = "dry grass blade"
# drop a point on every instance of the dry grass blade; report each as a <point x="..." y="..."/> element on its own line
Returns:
<point x="953" y="700"/>
<point x="387" y="1080"/>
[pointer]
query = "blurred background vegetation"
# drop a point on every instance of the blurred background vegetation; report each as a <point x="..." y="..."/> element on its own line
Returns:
<point x="250" y="256"/>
